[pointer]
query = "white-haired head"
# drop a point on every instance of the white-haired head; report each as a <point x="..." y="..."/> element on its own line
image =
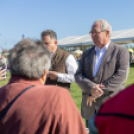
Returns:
<point x="105" y="25"/>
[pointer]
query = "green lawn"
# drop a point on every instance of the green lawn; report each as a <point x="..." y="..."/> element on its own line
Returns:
<point x="4" y="82"/>
<point x="76" y="92"/>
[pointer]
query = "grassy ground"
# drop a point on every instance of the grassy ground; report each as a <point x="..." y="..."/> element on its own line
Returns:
<point x="4" y="82"/>
<point x="76" y="92"/>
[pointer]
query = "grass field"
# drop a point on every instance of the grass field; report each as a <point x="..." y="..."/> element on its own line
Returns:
<point x="76" y="92"/>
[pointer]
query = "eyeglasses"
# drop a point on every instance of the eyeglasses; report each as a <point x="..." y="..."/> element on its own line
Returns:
<point x="92" y="32"/>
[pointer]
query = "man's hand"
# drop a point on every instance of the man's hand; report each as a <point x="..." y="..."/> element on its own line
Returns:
<point x="90" y="100"/>
<point x="2" y="72"/>
<point x="53" y="75"/>
<point x="96" y="91"/>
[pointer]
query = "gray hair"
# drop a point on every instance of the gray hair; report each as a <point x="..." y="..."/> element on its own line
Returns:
<point x="105" y="25"/>
<point x="51" y="33"/>
<point x="29" y="59"/>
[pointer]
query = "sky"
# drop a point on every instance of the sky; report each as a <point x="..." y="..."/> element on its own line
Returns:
<point x="65" y="17"/>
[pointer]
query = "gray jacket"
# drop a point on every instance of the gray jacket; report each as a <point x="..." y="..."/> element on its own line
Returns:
<point x="112" y="73"/>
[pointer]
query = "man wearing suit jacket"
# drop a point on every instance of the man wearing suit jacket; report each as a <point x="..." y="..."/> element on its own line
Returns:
<point x="102" y="71"/>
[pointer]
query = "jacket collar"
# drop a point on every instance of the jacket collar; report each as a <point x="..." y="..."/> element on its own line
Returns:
<point x="103" y="48"/>
<point x="20" y="79"/>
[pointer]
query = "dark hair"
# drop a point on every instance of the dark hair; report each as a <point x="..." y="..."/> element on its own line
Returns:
<point x="49" y="32"/>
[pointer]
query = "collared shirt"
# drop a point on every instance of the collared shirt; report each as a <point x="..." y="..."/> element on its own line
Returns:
<point x="71" y="67"/>
<point x="99" y="56"/>
<point x="51" y="55"/>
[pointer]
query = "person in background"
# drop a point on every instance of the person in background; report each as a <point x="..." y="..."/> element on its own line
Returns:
<point x="3" y="65"/>
<point x="4" y="59"/>
<point x="102" y="71"/>
<point x="63" y="64"/>
<point x="130" y="58"/>
<point x="78" y="59"/>
<point x="27" y="106"/>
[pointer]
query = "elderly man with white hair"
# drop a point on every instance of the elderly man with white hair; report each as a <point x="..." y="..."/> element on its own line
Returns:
<point x="103" y="69"/>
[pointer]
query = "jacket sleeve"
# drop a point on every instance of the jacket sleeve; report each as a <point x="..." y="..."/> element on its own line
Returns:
<point x="120" y="76"/>
<point x="84" y="83"/>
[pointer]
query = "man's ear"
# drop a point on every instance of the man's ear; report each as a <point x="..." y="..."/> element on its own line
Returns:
<point x="44" y="76"/>
<point x="108" y="34"/>
<point x="55" y="42"/>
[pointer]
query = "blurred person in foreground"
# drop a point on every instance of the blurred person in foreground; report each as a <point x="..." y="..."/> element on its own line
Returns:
<point x="63" y="64"/>
<point x="27" y="105"/>
<point x="116" y="115"/>
<point x="103" y="69"/>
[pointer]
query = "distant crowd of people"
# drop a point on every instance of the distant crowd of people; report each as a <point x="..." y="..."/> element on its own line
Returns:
<point x="37" y="99"/>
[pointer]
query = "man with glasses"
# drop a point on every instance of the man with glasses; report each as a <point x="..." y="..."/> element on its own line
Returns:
<point x="102" y="71"/>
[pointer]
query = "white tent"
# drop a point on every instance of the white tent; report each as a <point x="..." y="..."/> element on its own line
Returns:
<point x="118" y="37"/>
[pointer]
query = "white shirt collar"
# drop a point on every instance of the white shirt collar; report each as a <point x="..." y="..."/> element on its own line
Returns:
<point x="103" y="48"/>
<point x="52" y="55"/>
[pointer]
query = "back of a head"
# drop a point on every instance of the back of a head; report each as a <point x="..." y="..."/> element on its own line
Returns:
<point x="29" y="59"/>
